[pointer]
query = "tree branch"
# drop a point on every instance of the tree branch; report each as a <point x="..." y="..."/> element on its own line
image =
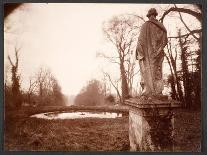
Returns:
<point x="17" y="56"/>
<point x="115" y="87"/>
<point x="111" y="59"/>
<point x="137" y="16"/>
<point x="183" y="10"/>
<point x="187" y="34"/>
<point x="10" y="61"/>
<point x="181" y="18"/>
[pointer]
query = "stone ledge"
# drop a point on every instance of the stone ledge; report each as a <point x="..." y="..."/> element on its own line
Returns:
<point x="152" y="103"/>
<point x="151" y="123"/>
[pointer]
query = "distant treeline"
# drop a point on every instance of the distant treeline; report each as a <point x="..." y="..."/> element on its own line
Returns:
<point x="43" y="89"/>
<point x="94" y="95"/>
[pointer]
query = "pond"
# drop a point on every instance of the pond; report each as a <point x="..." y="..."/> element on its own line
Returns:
<point x="77" y="115"/>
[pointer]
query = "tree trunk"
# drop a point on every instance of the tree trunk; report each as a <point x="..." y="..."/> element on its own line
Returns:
<point x="179" y="89"/>
<point x="185" y="71"/>
<point x="124" y="84"/>
<point x="174" y="94"/>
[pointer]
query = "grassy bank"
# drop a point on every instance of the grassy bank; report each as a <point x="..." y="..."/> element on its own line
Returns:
<point x="26" y="134"/>
<point x="187" y="131"/>
<point x="69" y="135"/>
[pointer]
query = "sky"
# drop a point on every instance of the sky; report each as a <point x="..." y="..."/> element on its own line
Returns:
<point x="66" y="38"/>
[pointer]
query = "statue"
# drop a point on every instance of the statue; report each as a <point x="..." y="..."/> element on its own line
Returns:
<point x="150" y="53"/>
<point x="152" y="107"/>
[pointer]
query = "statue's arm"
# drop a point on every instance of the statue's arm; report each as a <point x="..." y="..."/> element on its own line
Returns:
<point x="141" y="42"/>
<point x="163" y="44"/>
<point x="165" y="40"/>
<point x="139" y="52"/>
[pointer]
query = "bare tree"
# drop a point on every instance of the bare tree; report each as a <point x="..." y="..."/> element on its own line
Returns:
<point x="15" y="79"/>
<point x="49" y="90"/>
<point x="31" y="88"/>
<point x="115" y="84"/>
<point x="187" y="37"/>
<point x="196" y="14"/>
<point x="57" y="96"/>
<point x="131" y="71"/>
<point x="43" y="79"/>
<point x="122" y="32"/>
<point x="106" y="86"/>
<point x="174" y="79"/>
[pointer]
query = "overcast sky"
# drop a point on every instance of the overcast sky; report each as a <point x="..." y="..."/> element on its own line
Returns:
<point x="65" y="38"/>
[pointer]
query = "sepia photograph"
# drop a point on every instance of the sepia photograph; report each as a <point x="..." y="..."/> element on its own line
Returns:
<point x="121" y="77"/>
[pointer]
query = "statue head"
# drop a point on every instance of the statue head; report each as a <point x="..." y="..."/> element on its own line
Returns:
<point x="151" y="12"/>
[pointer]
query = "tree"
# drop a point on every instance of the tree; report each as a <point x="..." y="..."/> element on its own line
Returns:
<point x="42" y="77"/>
<point x="185" y="72"/>
<point x="174" y="79"/>
<point x="110" y="98"/>
<point x="115" y="84"/>
<point x="187" y="39"/>
<point x="16" y="93"/>
<point x="31" y="89"/>
<point x="48" y="89"/>
<point x="91" y="95"/>
<point x="197" y="14"/>
<point x="122" y="32"/>
<point x="58" y="97"/>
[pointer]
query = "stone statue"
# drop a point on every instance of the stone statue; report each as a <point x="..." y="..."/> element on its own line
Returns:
<point x="150" y="53"/>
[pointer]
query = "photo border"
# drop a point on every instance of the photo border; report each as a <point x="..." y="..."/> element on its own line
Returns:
<point x="203" y="68"/>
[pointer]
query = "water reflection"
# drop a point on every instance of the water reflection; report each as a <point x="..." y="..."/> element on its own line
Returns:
<point x="75" y="115"/>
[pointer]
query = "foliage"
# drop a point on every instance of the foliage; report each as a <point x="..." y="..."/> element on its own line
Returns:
<point x="180" y="54"/>
<point x="16" y="97"/>
<point x="91" y="95"/>
<point x="47" y="88"/>
<point x="43" y="90"/>
<point x="8" y="98"/>
<point x="122" y="32"/>
<point x="185" y="64"/>
<point x="110" y="98"/>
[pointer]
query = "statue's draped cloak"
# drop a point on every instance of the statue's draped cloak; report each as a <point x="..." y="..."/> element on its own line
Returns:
<point x="151" y="41"/>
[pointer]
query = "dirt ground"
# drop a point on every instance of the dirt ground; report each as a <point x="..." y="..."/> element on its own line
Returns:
<point x="23" y="133"/>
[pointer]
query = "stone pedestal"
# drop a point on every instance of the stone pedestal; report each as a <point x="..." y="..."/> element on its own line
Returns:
<point x="151" y="124"/>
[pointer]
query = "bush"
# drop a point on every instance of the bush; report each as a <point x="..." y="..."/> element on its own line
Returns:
<point x="110" y="98"/>
<point x="91" y="95"/>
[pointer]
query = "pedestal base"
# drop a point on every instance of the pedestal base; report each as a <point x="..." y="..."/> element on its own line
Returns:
<point x="151" y="124"/>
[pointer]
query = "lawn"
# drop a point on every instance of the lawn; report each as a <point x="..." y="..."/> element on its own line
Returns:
<point x="23" y="133"/>
<point x="86" y="134"/>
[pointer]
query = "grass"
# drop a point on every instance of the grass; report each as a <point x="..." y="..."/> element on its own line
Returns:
<point x="23" y="133"/>
<point x="187" y="133"/>
<point x="32" y="134"/>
